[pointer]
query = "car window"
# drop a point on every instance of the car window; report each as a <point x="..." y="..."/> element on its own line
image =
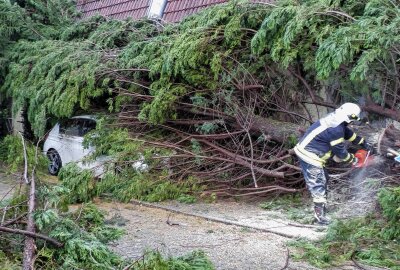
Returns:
<point x="88" y="125"/>
<point x="77" y="127"/>
<point x="71" y="127"/>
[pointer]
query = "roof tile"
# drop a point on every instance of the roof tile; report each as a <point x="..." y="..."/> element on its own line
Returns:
<point x="175" y="10"/>
<point x="119" y="9"/>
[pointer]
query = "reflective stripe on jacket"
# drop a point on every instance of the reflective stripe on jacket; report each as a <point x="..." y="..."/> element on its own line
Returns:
<point x="320" y="142"/>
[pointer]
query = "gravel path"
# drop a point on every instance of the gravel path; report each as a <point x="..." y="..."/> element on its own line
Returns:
<point x="6" y="184"/>
<point x="229" y="247"/>
<point x="248" y="215"/>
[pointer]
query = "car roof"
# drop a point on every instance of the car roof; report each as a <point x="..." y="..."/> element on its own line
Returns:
<point x="92" y="117"/>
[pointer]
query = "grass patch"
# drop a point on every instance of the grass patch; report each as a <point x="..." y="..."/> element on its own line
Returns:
<point x="188" y="199"/>
<point x="196" y="260"/>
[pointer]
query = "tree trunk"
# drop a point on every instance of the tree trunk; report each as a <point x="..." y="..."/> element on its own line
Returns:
<point x="276" y="130"/>
<point x="29" y="246"/>
<point x="29" y="249"/>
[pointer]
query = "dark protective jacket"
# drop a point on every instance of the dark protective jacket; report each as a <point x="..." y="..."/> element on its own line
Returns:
<point x="320" y="142"/>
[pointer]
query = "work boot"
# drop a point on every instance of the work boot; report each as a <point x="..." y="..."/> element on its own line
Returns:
<point x="320" y="214"/>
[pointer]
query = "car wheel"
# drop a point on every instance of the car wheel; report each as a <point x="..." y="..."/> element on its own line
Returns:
<point x="55" y="162"/>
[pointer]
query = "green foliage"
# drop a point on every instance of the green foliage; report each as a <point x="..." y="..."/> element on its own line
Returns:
<point x="195" y="260"/>
<point x="389" y="200"/>
<point x="185" y="198"/>
<point x="12" y="154"/>
<point x="9" y="18"/>
<point x="208" y="127"/>
<point x="124" y="186"/>
<point x="84" y="242"/>
<point x="192" y="55"/>
<point x="31" y="20"/>
<point x="58" y="73"/>
<point x="85" y="61"/>
<point x="74" y="65"/>
<point x="114" y="142"/>
<point x="54" y="81"/>
<point x="55" y="196"/>
<point x="374" y="242"/>
<point x="196" y="149"/>
<point x="133" y="175"/>
<point x="327" y="35"/>
<point x="80" y="183"/>
<point x="129" y="185"/>
<point x="291" y="141"/>
<point x="93" y="220"/>
<point x="162" y="107"/>
<point x="7" y="264"/>
<point x="82" y="232"/>
<point x="85" y="237"/>
<point x="318" y="257"/>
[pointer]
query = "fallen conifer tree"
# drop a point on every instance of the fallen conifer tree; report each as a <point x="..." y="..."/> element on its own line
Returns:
<point x="226" y="93"/>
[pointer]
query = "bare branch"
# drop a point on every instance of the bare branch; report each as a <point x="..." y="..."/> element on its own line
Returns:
<point x="32" y="235"/>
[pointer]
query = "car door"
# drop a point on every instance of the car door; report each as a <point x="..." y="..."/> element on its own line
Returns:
<point x="87" y="126"/>
<point x="71" y="138"/>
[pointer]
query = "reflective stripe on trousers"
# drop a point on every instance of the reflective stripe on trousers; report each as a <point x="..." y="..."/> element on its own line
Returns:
<point x="316" y="180"/>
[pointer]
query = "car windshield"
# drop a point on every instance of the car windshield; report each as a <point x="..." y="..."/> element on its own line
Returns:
<point x="78" y="127"/>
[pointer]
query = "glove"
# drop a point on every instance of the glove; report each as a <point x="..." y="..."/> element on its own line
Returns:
<point x="367" y="146"/>
<point x="354" y="163"/>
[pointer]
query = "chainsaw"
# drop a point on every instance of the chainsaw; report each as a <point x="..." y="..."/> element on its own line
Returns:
<point x="364" y="157"/>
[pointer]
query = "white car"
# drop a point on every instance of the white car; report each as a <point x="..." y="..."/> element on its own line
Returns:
<point x="64" y="145"/>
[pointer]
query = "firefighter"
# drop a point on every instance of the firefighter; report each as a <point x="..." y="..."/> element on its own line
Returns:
<point x="324" y="139"/>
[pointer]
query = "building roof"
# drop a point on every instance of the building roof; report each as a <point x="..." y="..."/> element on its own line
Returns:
<point x="175" y="10"/>
<point x="117" y="9"/>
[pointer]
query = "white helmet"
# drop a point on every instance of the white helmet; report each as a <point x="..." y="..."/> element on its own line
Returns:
<point x="348" y="112"/>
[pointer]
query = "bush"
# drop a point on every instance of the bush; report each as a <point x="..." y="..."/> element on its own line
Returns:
<point x="12" y="154"/>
